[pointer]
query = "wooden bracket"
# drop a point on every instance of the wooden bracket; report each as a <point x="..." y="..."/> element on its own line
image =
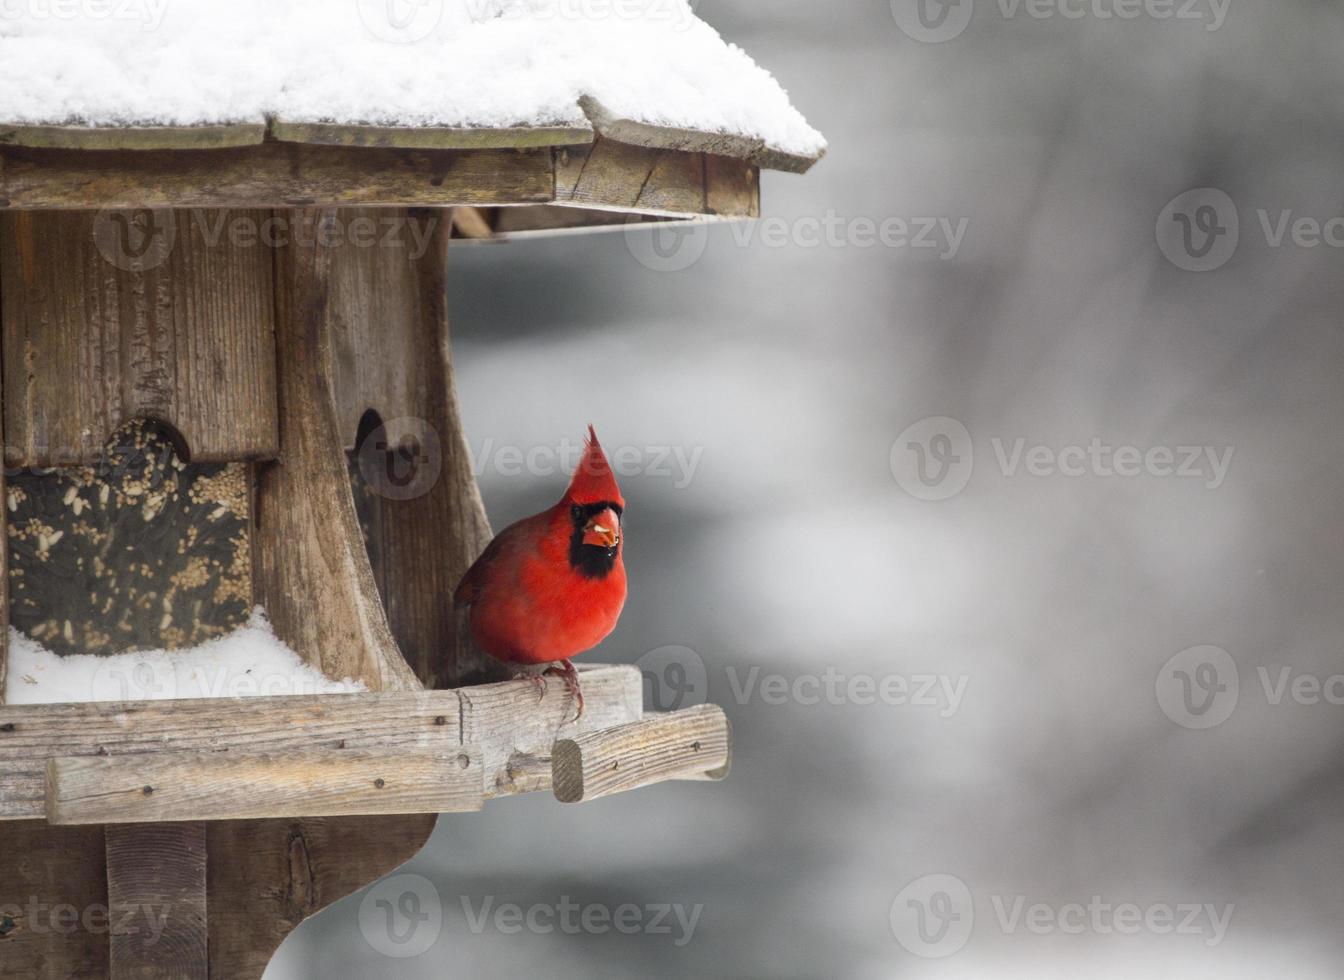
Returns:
<point x="690" y="744"/>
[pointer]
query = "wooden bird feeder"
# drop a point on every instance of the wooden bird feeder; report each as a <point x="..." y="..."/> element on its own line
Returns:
<point x="189" y="424"/>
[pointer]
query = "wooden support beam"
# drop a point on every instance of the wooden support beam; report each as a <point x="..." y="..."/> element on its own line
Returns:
<point x="240" y="785"/>
<point x="4" y="566"/>
<point x="695" y="743"/>
<point x="45" y="867"/>
<point x="603" y="175"/>
<point x="312" y="570"/>
<point x="156" y="902"/>
<point x="386" y="330"/>
<point x="472" y="223"/>
<point x="278" y="175"/>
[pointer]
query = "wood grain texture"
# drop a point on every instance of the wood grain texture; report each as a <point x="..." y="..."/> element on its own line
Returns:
<point x="621" y="130"/>
<point x="732" y="188"/>
<point x="630" y="178"/>
<point x="623" y="178"/>
<point x="510" y="723"/>
<point x="123" y="315"/>
<point x="43" y="867"/>
<point x="32" y="734"/>
<point x="273" y="175"/>
<point x="4" y="576"/>
<point x="417" y="496"/>
<point x="678" y="744"/>
<point x="314" y="576"/>
<point x="474" y="223"/>
<point x="507" y="718"/>
<point x="132" y="137"/>
<point x="430" y="137"/>
<point x="735" y="145"/>
<point x="267" y="876"/>
<point x="243" y="784"/>
<point x="312" y="569"/>
<point x="156" y="901"/>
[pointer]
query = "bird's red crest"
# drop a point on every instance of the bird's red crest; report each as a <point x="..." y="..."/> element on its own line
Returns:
<point x="593" y="481"/>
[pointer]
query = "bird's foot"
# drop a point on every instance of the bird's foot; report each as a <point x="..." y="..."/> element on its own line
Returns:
<point x="566" y="672"/>
<point x="538" y="680"/>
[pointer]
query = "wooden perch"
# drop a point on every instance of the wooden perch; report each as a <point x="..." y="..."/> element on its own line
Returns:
<point x="245" y="785"/>
<point x="295" y="756"/>
<point x="690" y="744"/>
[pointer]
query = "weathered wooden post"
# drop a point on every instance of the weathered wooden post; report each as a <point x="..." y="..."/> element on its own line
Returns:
<point x="181" y="407"/>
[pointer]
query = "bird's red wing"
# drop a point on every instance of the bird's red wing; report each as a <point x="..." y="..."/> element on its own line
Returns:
<point x="478" y="574"/>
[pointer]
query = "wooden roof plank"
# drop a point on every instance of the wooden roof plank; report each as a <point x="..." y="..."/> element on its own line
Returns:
<point x="613" y="127"/>
<point x="132" y="137"/>
<point x="430" y="137"/>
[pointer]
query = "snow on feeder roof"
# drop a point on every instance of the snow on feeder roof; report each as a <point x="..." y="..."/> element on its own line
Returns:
<point x="172" y="464"/>
<point x="432" y="74"/>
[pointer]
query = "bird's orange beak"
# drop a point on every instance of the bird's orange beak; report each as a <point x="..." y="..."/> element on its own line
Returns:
<point x="603" y="530"/>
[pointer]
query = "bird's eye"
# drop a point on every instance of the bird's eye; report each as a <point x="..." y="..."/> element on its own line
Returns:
<point x="576" y="512"/>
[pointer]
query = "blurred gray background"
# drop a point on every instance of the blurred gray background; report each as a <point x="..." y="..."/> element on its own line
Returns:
<point x="1064" y="772"/>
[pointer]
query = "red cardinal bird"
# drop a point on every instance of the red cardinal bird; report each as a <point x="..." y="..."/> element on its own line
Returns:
<point x="552" y="585"/>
